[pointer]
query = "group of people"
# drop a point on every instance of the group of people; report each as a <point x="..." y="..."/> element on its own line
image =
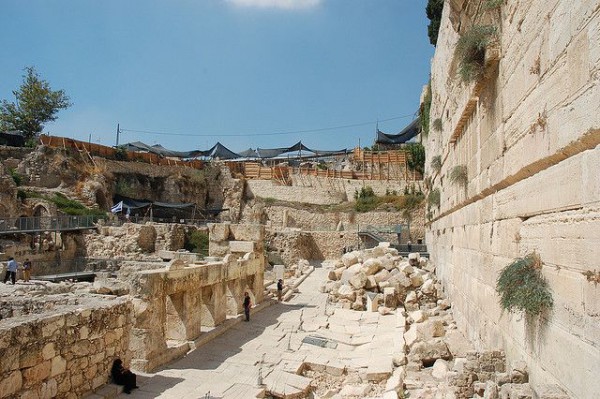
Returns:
<point x="11" y="270"/>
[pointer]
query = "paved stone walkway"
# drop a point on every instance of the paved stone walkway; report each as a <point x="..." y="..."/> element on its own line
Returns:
<point x="269" y="349"/>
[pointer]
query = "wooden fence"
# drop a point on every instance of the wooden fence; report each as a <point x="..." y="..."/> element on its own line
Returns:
<point x="89" y="149"/>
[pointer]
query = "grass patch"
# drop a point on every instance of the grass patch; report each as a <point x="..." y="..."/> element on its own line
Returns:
<point x="522" y="287"/>
<point x="66" y="205"/>
<point x="470" y="51"/>
<point x="17" y="178"/>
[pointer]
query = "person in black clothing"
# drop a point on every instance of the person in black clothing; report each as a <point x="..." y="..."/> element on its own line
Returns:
<point x="247" y="304"/>
<point x="279" y="289"/>
<point x="122" y="376"/>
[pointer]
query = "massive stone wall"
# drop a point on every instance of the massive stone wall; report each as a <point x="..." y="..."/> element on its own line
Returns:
<point x="63" y="353"/>
<point x="530" y="143"/>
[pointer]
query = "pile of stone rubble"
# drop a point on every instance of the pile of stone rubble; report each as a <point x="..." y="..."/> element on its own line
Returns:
<point x="431" y="358"/>
<point x="379" y="279"/>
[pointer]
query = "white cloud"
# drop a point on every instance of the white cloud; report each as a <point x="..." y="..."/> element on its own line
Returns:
<point x="283" y="4"/>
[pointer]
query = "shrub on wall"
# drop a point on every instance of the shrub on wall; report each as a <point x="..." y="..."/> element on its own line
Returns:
<point x="470" y="51"/>
<point x="416" y="159"/>
<point x="434" y="198"/>
<point x="437" y="125"/>
<point x="436" y="163"/>
<point x="522" y="287"/>
<point x="425" y="110"/>
<point x="459" y="175"/>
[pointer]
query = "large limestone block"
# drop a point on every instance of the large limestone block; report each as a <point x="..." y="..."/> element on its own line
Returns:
<point x="358" y="281"/>
<point x="440" y="369"/>
<point x="241" y="246"/>
<point x="387" y="262"/>
<point x="371" y="283"/>
<point x="247" y="232"/>
<point x="218" y="231"/>
<point x="521" y="391"/>
<point x="428" y="352"/>
<point x="382" y="275"/>
<point x="350" y="272"/>
<point x="390" y="299"/>
<point x="350" y="258"/>
<point x="346" y="292"/>
<point x="371" y="266"/>
<point x="11" y="384"/>
<point x="359" y="391"/>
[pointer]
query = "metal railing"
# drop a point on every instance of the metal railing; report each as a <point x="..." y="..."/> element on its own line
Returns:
<point x="47" y="223"/>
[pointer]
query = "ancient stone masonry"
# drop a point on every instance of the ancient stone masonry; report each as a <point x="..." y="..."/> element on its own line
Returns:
<point x="172" y="305"/>
<point x="527" y="134"/>
<point x="61" y="345"/>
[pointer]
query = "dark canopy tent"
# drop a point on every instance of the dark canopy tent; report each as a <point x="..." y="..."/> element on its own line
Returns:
<point x="12" y="138"/>
<point x="185" y="210"/>
<point x="404" y="136"/>
<point x="159" y="150"/>
<point x="219" y="151"/>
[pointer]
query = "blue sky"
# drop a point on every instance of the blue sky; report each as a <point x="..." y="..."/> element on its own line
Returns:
<point x="236" y="71"/>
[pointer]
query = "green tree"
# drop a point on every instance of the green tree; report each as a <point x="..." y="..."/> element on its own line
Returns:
<point x="416" y="160"/>
<point x="434" y="13"/>
<point x="36" y="103"/>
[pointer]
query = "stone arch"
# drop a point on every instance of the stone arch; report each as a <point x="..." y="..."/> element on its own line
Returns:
<point x="40" y="210"/>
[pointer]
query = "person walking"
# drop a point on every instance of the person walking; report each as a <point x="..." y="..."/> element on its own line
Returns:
<point x="11" y="270"/>
<point x="27" y="270"/>
<point x="247" y="304"/>
<point x="279" y="289"/>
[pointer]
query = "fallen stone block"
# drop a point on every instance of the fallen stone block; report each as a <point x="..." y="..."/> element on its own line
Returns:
<point x="516" y="391"/>
<point x="350" y="258"/>
<point x="440" y="369"/>
<point x="358" y="281"/>
<point x="371" y="266"/>
<point x="355" y="390"/>
<point x="549" y="391"/>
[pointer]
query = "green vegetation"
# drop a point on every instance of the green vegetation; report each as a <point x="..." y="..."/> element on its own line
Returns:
<point x="416" y="160"/>
<point x="492" y="4"/>
<point x="434" y="198"/>
<point x="269" y="200"/>
<point x="522" y="287"/>
<point x="434" y="13"/>
<point x="66" y="205"/>
<point x="35" y="104"/>
<point x="120" y="153"/>
<point x="459" y="175"/>
<point x="437" y="125"/>
<point x="196" y="241"/>
<point x="425" y="110"/>
<point x="17" y="178"/>
<point x="436" y="163"/>
<point x="122" y="187"/>
<point x="470" y="51"/>
<point x="367" y="200"/>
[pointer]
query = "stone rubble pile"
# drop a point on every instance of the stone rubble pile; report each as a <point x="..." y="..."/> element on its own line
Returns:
<point x="379" y="279"/>
<point x="432" y="359"/>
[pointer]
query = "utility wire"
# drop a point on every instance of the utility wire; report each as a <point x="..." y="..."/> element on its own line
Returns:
<point x="266" y="134"/>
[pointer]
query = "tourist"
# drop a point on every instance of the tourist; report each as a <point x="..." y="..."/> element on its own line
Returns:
<point x="122" y="376"/>
<point x="11" y="270"/>
<point x="247" y="304"/>
<point x="279" y="289"/>
<point x="27" y="270"/>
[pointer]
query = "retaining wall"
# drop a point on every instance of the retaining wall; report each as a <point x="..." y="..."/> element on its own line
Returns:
<point x="531" y="149"/>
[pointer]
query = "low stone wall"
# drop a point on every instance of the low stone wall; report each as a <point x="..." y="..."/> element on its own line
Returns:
<point x="64" y="353"/>
<point x="280" y="217"/>
<point x="321" y="190"/>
